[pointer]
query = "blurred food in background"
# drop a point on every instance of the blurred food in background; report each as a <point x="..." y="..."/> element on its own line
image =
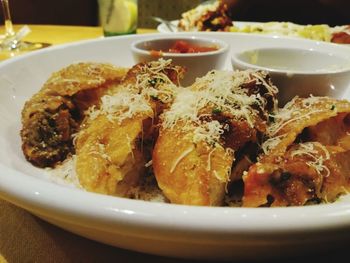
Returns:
<point x="220" y="15"/>
<point x="217" y="17"/>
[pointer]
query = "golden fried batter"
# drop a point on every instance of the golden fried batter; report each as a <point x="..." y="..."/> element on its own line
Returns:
<point x="116" y="140"/>
<point x="306" y="158"/>
<point x="109" y="155"/>
<point x="190" y="173"/>
<point x="53" y="114"/>
<point x="300" y="113"/>
<point x="307" y="172"/>
<point x="202" y="131"/>
<point x="198" y="140"/>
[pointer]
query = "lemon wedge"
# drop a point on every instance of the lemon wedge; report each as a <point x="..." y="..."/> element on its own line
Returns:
<point x="121" y="17"/>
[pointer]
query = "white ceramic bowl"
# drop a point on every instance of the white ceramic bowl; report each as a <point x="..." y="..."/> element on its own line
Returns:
<point x="163" y="229"/>
<point x="196" y="64"/>
<point x="298" y="71"/>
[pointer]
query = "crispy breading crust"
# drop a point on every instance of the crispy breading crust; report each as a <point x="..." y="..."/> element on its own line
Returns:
<point x="303" y="116"/>
<point x="53" y="115"/>
<point x="112" y="149"/>
<point x="309" y="162"/>
<point x="109" y="161"/>
<point x="190" y="173"/>
<point x="193" y="158"/>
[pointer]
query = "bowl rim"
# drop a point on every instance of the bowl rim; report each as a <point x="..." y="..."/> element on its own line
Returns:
<point x="223" y="46"/>
<point x="235" y="60"/>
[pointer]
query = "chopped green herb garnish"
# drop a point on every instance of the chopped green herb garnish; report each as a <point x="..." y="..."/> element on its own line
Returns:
<point x="216" y="111"/>
<point x="152" y="82"/>
<point x="333" y="107"/>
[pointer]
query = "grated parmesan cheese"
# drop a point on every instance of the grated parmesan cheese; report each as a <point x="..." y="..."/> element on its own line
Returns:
<point x="272" y="143"/>
<point x="222" y="90"/>
<point x="209" y="160"/>
<point x="65" y="173"/>
<point x="312" y="150"/>
<point x="101" y="151"/>
<point x="209" y="132"/>
<point x="294" y="110"/>
<point x="132" y="99"/>
<point x="182" y="156"/>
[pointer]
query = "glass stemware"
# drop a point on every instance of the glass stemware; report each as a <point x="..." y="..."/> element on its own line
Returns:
<point x="12" y="43"/>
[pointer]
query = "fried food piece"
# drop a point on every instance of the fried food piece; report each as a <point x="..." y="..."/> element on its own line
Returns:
<point x="297" y="115"/>
<point x="341" y="35"/>
<point x="204" y="128"/>
<point x="116" y="141"/>
<point x="305" y="159"/>
<point x="54" y="114"/>
<point x="308" y="172"/>
<point x="109" y="157"/>
<point x="210" y="17"/>
<point x="190" y="173"/>
<point x="333" y="131"/>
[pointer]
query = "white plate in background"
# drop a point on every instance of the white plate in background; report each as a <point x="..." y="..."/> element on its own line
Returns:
<point x="162" y="28"/>
<point x="157" y="228"/>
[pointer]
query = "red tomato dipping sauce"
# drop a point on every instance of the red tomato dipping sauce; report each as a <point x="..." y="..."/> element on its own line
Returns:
<point x="181" y="46"/>
<point x="155" y="53"/>
<point x="341" y="38"/>
<point x="184" y="47"/>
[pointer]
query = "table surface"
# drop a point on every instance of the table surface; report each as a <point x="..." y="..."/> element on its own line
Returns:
<point x="26" y="238"/>
<point x="55" y="35"/>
